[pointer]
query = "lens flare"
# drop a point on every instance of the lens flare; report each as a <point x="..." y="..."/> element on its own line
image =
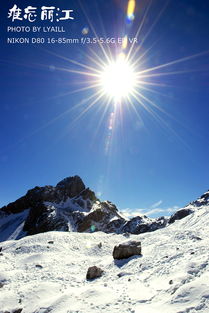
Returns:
<point x="92" y="228"/>
<point x="131" y="8"/>
<point x="125" y="42"/>
<point x="118" y="79"/>
<point x="115" y="81"/>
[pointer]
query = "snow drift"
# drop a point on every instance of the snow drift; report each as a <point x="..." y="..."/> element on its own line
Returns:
<point x="47" y="272"/>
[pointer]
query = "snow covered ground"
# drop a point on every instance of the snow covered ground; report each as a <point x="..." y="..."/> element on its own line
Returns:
<point x="47" y="272"/>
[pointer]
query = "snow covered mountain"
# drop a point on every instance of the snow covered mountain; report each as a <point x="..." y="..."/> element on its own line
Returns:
<point x="69" y="206"/>
<point x="46" y="272"/>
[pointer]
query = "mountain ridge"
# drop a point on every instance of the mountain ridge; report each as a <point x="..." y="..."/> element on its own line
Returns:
<point x="71" y="206"/>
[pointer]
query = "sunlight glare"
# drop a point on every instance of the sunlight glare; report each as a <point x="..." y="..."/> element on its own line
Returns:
<point x="118" y="79"/>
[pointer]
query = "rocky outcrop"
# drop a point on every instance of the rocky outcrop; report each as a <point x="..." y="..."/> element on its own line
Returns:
<point x="136" y="225"/>
<point x="101" y="218"/>
<point x="13" y="311"/>
<point x="179" y="215"/>
<point x="67" y="188"/>
<point x="42" y="218"/>
<point x="190" y="208"/>
<point x="88" y="194"/>
<point x="94" y="272"/>
<point x="70" y="206"/>
<point x="54" y="208"/>
<point x="201" y="201"/>
<point x="126" y="250"/>
<point x="71" y="186"/>
<point x="143" y="224"/>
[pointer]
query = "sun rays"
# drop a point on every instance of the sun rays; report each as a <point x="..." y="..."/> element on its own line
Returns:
<point x="118" y="79"/>
<point x="113" y="76"/>
<point x="118" y="75"/>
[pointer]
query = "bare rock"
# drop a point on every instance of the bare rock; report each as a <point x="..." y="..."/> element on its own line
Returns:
<point x="1" y="284"/>
<point x="121" y="274"/>
<point x="73" y="185"/>
<point x="88" y="194"/>
<point x="14" y="311"/>
<point x="127" y="235"/>
<point x="127" y="249"/>
<point x="179" y="215"/>
<point x="94" y="272"/>
<point x="103" y="218"/>
<point x="90" y="219"/>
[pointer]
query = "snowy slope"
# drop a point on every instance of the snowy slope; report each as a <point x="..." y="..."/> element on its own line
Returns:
<point x="11" y="226"/>
<point x="171" y="276"/>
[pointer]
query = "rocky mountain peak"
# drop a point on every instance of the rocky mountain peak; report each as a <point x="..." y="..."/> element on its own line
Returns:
<point x="190" y="208"/>
<point x="70" y="206"/>
<point x="203" y="200"/>
<point x="73" y="184"/>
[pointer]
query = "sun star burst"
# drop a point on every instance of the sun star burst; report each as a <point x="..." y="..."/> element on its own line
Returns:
<point x="118" y="79"/>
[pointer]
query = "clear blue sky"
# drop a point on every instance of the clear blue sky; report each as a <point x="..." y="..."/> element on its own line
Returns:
<point x="150" y="163"/>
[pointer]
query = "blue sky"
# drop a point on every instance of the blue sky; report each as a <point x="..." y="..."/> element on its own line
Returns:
<point x="150" y="163"/>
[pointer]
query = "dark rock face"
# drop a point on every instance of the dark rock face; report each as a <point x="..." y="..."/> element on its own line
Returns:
<point x="88" y="194"/>
<point x="126" y="250"/>
<point x="121" y="274"/>
<point x="101" y="218"/>
<point x="141" y="224"/>
<point x="91" y="219"/>
<point x="190" y="208"/>
<point x="179" y="215"/>
<point x="115" y="225"/>
<point x="71" y="185"/>
<point x="203" y="200"/>
<point x="41" y="219"/>
<point x="14" y="311"/>
<point x="67" y="207"/>
<point x="44" y="205"/>
<point x="135" y="226"/>
<point x="67" y="188"/>
<point x="70" y="206"/>
<point x="1" y="284"/>
<point x="94" y="272"/>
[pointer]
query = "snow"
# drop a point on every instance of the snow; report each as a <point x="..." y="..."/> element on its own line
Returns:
<point x="69" y="204"/>
<point x="11" y="226"/>
<point x="171" y="276"/>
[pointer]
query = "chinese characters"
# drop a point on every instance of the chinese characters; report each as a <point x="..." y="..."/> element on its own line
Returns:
<point x="30" y="14"/>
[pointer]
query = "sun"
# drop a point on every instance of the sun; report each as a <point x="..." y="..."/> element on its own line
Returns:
<point x="118" y="79"/>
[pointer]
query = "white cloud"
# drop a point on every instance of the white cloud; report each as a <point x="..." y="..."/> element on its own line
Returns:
<point x="172" y="209"/>
<point x="156" y="204"/>
<point x="161" y="210"/>
<point x="130" y="213"/>
<point x="154" y="211"/>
